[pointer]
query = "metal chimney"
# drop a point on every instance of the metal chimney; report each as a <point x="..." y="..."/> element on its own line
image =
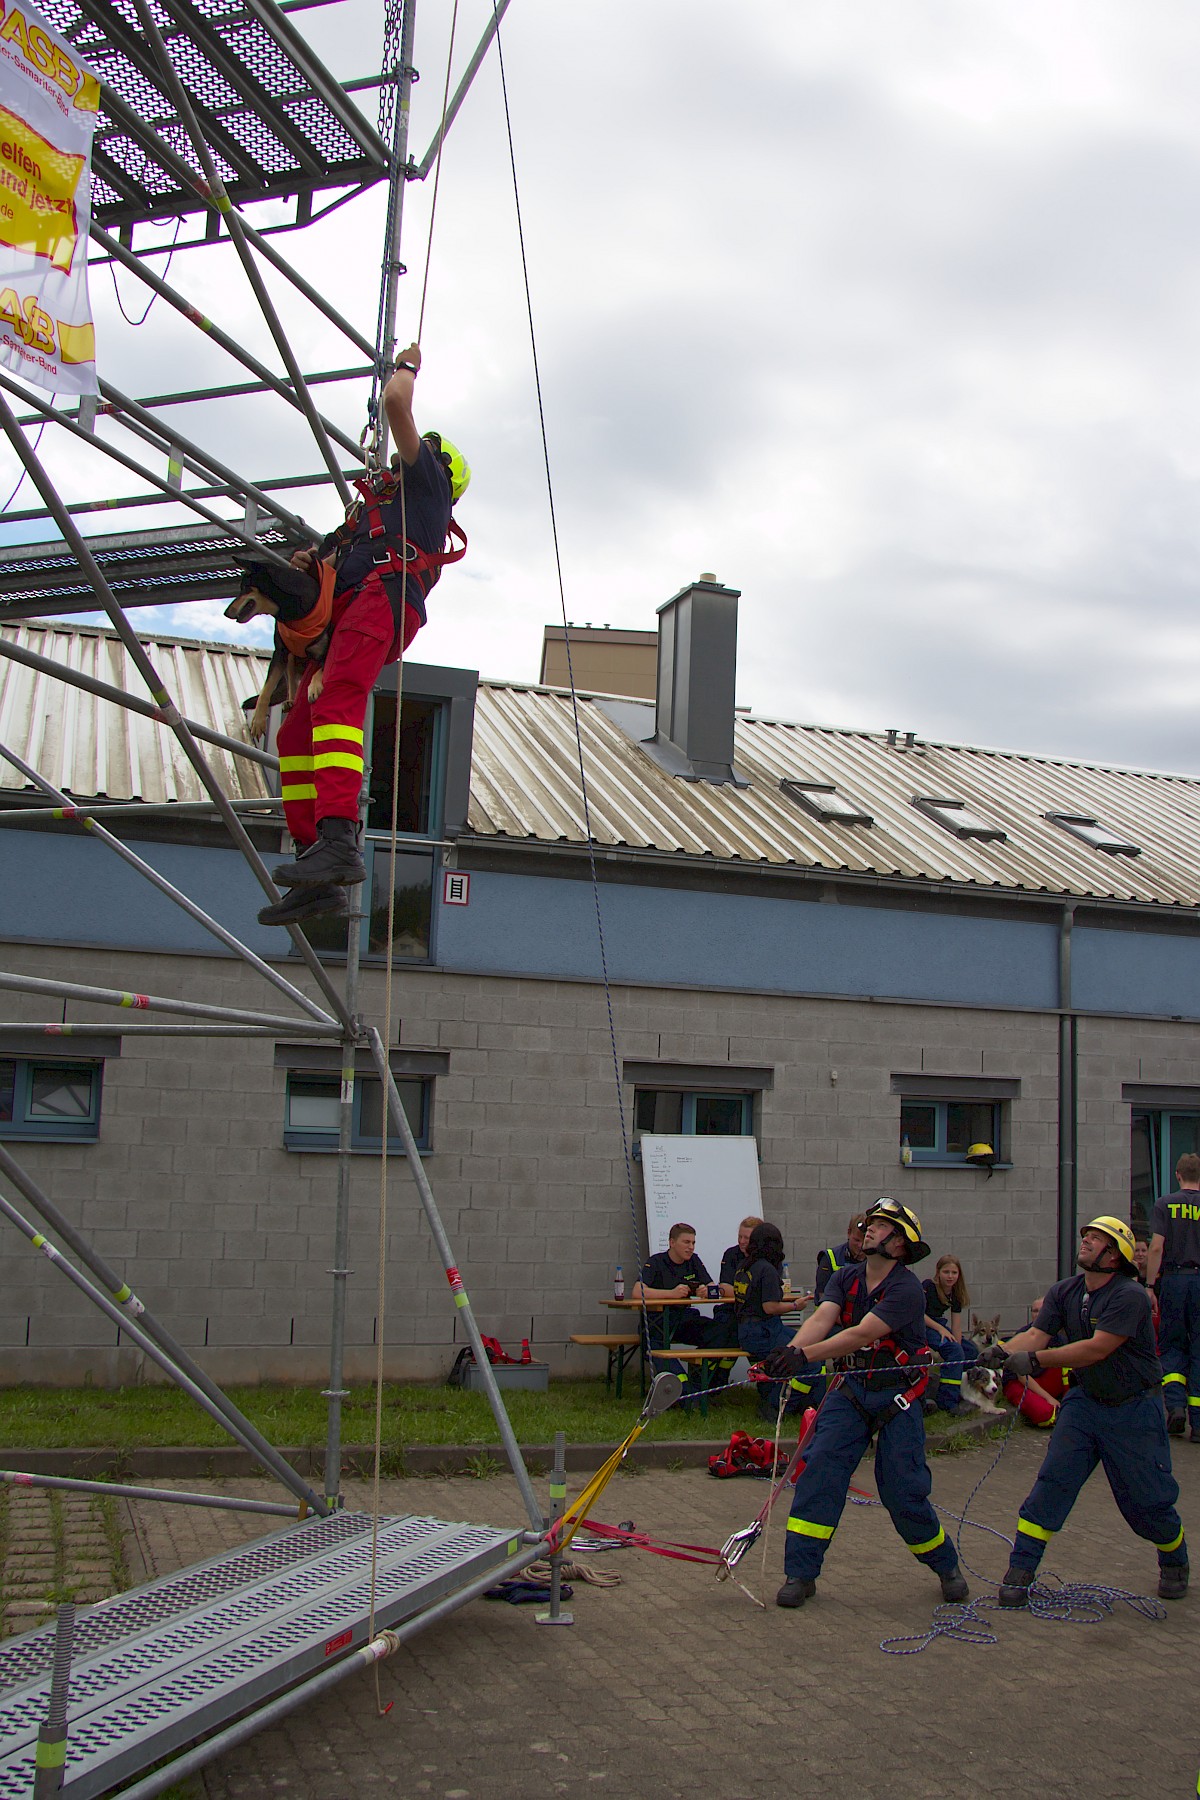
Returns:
<point x="697" y="667"/>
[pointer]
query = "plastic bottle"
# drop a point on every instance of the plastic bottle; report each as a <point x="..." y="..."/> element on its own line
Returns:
<point x="619" y="1284"/>
<point x="526" y="1354"/>
<point x="787" y="1279"/>
<point x="905" y="1152"/>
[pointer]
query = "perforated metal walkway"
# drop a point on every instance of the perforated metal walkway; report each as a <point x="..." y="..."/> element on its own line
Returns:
<point x="164" y="1664"/>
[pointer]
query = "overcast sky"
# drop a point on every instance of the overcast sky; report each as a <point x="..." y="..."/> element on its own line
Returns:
<point x="885" y="311"/>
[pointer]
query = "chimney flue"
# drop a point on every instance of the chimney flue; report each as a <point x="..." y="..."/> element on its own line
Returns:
<point x="697" y="669"/>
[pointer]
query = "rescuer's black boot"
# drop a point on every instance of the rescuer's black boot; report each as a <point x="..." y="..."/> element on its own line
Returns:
<point x="1014" y="1589"/>
<point x="334" y="857"/>
<point x="1172" y="1581"/>
<point x="795" y="1593"/>
<point x="954" y="1586"/>
<point x="305" y="903"/>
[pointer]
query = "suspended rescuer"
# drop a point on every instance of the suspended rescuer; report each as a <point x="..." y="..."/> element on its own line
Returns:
<point x="871" y="1323"/>
<point x="372" y="578"/>
<point x="1173" y="1261"/>
<point x="1112" y="1412"/>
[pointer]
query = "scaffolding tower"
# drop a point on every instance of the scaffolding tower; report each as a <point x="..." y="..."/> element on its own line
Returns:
<point x="211" y="109"/>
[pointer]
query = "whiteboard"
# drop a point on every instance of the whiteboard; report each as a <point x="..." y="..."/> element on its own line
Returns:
<point x="709" y="1182"/>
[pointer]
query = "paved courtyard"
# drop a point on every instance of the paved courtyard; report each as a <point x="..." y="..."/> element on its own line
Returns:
<point x="673" y="1683"/>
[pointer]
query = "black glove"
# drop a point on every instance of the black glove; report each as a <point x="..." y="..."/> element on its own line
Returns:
<point x="781" y="1365"/>
<point x="1021" y="1364"/>
<point x="994" y="1357"/>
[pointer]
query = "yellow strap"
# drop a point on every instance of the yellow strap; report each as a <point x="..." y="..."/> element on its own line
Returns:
<point x="934" y="1543"/>
<point x="306" y="791"/>
<point x="322" y="733"/>
<point x="806" y="1528"/>
<point x="1034" y="1531"/>
<point x="1174" y="1543"/>
<point x="288" y="763"/>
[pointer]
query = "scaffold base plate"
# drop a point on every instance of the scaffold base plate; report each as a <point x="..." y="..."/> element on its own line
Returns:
<point x="165" y="1664"/>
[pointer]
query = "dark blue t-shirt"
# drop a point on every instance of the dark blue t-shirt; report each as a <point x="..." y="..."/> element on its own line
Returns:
<point x="1121" y="1306"/>
<point x="426" y="517"/>
<point x="660" y="1272"/>
<point x="899" y="1301"/>
<point x="753" y="1284"/>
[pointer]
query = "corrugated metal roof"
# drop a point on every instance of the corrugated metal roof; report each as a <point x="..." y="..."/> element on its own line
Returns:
<point x="525" y="784"/>
<point x="525" y="780"/>
<point x="89" y="747"/>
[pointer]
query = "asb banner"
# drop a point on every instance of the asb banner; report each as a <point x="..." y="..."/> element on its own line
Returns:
<point x="48" y="106"/>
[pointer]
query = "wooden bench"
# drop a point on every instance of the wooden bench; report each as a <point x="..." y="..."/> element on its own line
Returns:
<point x="622" y="1348"/>
<point x="687" y="1353"/>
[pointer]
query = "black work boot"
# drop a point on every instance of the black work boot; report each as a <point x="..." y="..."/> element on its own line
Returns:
<point x="305" y="903"/>
<point x="334" y="857"/>
<point x="1014" y="1589"/>
<point x="1172" y="1581"/>
<point x="1176" y="1421"/>
<point x="795" y="1593"/>
<point x="954" y="1585"/>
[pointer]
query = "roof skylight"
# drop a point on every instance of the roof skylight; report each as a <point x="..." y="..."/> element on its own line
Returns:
<point x="958" y="817"/>
<point x="1090" y="830"/>
<point x="822" y="800"/>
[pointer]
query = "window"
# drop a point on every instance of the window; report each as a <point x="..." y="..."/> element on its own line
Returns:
<point x="48" y="1099"/>
<point x="822" y="800"/>
<point x="673" y="1111"/>
<point x="1090" y="831"/>
<point x="314" y="1101"/>
<point x="958" y="817"/>
<point x="1159" y="1136"/>
<point x="942" y="1131"/>
<point x="941" y="1116"/>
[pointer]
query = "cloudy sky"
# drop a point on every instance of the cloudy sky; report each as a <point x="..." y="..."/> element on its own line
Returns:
<point x="885" y="311"/>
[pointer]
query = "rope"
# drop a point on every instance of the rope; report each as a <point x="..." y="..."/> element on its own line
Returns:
<point x="112" y="267"/>
<point x="562" y="600"/>
<point x="437" y="173"/>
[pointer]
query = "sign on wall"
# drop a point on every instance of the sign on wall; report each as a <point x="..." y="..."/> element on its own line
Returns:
<point x="48" y="107"/>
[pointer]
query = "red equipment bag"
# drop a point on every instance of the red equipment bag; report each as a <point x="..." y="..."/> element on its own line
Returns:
<point x="744" y="1455"/>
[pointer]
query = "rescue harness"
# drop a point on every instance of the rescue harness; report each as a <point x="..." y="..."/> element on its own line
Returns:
<point x="406" y="569"/>
<point x="864" y="1362"/>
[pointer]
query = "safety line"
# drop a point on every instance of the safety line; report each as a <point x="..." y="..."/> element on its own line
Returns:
<point x="112" y="269"/>
<point x="437" y="173"/>
<point x="562" y="599"/>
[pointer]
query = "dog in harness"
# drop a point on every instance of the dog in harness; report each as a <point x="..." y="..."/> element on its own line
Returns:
<point x="346" y="609"/>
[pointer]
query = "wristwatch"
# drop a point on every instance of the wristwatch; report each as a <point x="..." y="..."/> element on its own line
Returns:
<point x="411" y="367"/>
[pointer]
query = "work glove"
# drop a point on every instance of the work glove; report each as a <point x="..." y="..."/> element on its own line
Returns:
<point x="1021" y="1364"/>
<point x="993" y="1357"/>
<point x="781" y="1365"/>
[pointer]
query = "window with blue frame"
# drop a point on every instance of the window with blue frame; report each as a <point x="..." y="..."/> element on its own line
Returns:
<point x="942" y="1131"/>
<point x="313" y="1109"/>
<point x="51" y="1100"/>
<point x="674" y="1111"/>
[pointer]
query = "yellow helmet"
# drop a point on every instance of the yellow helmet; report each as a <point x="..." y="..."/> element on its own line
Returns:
<point x="905" y="1221"/>
<point x="1118" y="1231"/>
<point x="457" y="466"/>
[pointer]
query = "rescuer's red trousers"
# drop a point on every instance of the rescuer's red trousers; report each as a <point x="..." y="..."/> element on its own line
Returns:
<point x="321" y="742"/>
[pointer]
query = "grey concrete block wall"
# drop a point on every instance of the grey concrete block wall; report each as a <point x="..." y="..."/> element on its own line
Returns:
<point x="228" y="1235"/>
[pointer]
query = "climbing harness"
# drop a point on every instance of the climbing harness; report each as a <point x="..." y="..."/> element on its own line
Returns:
<point x="394" y="558"/>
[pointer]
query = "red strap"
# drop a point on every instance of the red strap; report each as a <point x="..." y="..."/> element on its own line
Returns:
<point x="640" y="1540"/>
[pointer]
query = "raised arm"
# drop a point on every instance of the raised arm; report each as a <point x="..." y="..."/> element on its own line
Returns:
<point x="397" y="405"/>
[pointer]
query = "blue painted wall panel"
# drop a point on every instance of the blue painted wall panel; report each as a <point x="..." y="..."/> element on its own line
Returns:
<point x="74" y="890"/>
<point x="1135" y="971"/>
<point x="525" y="925"/>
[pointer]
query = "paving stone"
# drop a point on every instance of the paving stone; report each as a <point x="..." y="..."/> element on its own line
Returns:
<point x="674" y="1680"/>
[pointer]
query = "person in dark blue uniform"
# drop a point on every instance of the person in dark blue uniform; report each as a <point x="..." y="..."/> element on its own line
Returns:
<point x="760" y="1306"/>
<point x="871" y="1320"/>
<point x="677" y="1273"/>
<point x="836" y="1257"/>
<point x="1173" y="1261"/>
<point x="1111" y="1414"/>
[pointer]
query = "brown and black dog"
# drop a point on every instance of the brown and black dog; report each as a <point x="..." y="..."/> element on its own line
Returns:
<point x="298" y="599"/>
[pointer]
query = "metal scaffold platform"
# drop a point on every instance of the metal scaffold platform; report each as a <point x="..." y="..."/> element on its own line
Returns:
<point x="164" y="1664"/>
<point x="209" y="107"/>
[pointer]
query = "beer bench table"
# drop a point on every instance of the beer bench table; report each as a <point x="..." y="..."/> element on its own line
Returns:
<point x="703" y="1360"/>
<point x="622" y="1347"/>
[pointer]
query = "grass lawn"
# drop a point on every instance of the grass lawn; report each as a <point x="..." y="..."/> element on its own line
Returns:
<point x="413" y="1413"/>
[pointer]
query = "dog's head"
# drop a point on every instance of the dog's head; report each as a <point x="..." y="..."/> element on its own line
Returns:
<point x="287" y="594"/>
<point x="986" y="1332"/>
<point x="982" y="1381"/>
